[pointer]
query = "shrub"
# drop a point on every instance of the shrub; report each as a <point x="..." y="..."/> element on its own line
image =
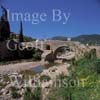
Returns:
<point x="37" y="94"/>
<point x="91" y="54"/>
<point x="97" y="65"/>
<point x="37" y="54"/>
<point x="29" y="95"/>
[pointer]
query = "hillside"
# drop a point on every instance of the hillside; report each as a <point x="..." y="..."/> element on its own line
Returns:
<point x="59" y="38"/>
<point x="93" y="39"/>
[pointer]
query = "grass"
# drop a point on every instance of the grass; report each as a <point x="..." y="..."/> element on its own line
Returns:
<point x="84" y="69"/>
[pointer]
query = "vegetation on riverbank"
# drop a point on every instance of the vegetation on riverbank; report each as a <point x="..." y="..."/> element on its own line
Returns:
<point x="83" y="82"/>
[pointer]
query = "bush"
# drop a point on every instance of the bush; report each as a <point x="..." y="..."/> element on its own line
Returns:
<point x="91" y="54"/>
<point x="29" y="95"/>
<point x="37" y="54"/>
<point x="37" y="94"/>
<point x="97" y="66"/>
<point x="14" y="93"/>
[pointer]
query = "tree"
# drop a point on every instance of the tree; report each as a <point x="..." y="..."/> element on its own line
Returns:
<point x="21" y="37"/>
<point x="4" y="25"/>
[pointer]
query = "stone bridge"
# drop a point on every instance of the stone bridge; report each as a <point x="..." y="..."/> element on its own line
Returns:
<point x="72" y="48"/>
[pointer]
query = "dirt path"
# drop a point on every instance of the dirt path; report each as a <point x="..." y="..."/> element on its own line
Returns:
<point x="10" y="68"/>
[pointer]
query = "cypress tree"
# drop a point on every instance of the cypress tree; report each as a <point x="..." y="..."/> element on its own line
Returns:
<point x="21" y="38"/>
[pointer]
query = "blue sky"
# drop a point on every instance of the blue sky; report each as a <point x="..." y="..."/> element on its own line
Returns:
<point x="84" y="19"/>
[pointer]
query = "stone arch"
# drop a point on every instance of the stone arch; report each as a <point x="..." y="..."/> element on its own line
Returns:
<point x="61" y="50"/>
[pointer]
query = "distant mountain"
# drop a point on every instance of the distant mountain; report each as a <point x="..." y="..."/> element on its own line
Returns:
<point x="93" y="39"/>
<point x="59" y="38"/>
